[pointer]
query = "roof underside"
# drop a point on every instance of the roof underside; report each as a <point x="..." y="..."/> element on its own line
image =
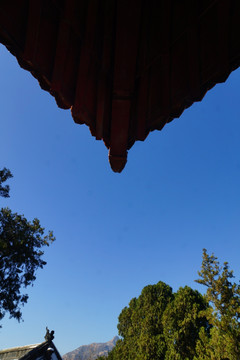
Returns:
<point x="124" y="67"/>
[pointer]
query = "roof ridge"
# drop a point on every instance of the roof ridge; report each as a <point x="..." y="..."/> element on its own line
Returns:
<point x="30" y="346"/>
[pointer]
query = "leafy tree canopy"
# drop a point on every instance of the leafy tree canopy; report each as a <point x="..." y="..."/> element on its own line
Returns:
<point x="182" y="322"/>
<point x="185" y="325"/>
<point x="223" y="296"/>
<point x="21" y="243"/>
<point x="5" y="174"/>
<point x="160" y="324"/>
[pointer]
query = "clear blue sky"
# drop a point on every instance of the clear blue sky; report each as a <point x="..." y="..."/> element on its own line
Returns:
<point x="116" y="233"/>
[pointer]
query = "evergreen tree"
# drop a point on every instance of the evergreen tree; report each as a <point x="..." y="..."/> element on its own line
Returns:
<point x="182" y="323"/>
<point x="160" y="325"/>
<point x="223" y="296"/>
<point x="140" y="325"/>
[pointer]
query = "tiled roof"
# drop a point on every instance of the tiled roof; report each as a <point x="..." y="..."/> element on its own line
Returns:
<point x="31" y="352"/>
<point x="125" y="67"/>
<point x="17" y="352"/>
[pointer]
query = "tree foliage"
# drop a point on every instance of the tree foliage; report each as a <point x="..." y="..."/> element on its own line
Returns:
<point x="182" y="322"/>
<point x="5" y="174"/>
<point x="185" y="325"/>
<point x="21" y="243"/>
<point x="160" y="325"/>
<point x="223" y="296"/>
<point x="140" y="324"/>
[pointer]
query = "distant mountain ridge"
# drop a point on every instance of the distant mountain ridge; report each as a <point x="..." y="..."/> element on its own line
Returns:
<point x="91" y="351"/>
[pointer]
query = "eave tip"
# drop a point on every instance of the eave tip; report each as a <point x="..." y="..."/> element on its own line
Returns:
<point x="117" y="162"/>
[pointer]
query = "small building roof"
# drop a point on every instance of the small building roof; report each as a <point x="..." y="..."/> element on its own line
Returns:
<point x="16" y="353"/>
<point x="44" y="350"/>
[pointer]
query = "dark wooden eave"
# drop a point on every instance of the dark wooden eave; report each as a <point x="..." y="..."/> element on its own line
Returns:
<point x="124" y="67"/>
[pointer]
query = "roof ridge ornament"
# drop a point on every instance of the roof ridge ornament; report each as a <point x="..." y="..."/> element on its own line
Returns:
<point x="49" y="336"/>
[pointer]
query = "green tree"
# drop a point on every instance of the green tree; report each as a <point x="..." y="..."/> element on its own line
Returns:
<point x="223" y="296"/>
<point x="161" y="325"/>
<point x="21" y="243"/>
<point x="182" y="322"/>
<point x="5" y="174"/>
<point x="140" y="325"/>
<point x="185" y="325"/>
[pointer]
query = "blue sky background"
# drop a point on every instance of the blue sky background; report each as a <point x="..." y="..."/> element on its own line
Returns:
<point x="116" y="233"/>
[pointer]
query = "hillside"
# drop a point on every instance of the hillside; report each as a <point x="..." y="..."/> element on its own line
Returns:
<point x="90" y="352"/>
